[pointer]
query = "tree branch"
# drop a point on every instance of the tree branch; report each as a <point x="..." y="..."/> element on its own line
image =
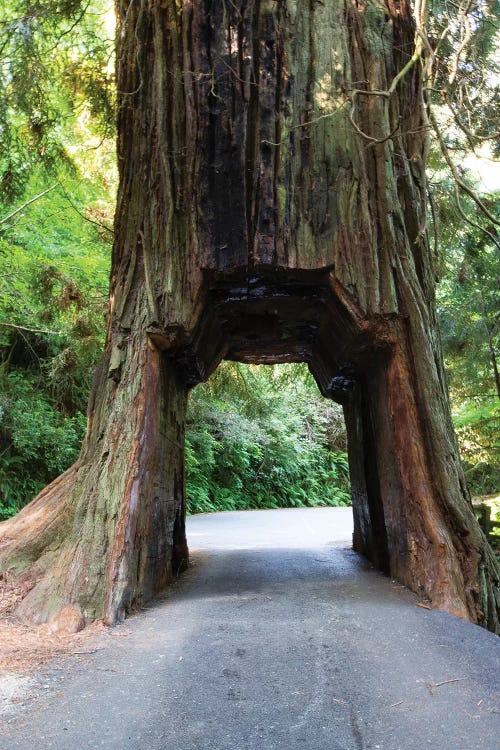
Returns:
<point x="25" y="205"/>
<point x="84" y="216"/>
<point x="31" y="330"/>
<point x="456" y="176"/>
<point x="473" y="223"/>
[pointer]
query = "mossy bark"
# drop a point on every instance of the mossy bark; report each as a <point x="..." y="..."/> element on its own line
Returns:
<point x="271" y="208"/>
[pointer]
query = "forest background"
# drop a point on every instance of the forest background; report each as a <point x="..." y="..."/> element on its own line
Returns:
<point x="257" y="437"/>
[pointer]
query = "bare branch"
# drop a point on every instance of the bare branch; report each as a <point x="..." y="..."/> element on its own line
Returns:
<point x="471" y="137"/>
<point x="31" y="330"/>
<point x="463" y="44"/>
<point x="456" y="176"/>
<point x="28" y="203"/>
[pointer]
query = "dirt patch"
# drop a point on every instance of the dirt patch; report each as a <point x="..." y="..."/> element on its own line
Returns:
<point x="25" y="646"/>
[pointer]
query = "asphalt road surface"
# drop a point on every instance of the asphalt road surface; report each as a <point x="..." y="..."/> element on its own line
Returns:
<point x="278" y="638"/>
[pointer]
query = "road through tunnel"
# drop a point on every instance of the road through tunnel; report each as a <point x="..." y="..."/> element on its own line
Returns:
<point x="277" y="317"/>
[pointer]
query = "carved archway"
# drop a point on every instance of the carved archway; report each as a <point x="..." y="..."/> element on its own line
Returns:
<point x="274" y="317"/>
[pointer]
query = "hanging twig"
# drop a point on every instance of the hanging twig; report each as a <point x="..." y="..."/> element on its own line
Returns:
<point x="434" y="220"/>
<point x="80" y="213"/>
<point x="307" y="124"/>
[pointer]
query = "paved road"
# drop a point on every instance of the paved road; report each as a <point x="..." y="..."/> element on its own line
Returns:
<point x="278" y="638"/>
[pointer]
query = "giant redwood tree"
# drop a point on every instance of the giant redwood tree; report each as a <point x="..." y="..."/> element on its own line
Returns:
<point x="271" y="208"/>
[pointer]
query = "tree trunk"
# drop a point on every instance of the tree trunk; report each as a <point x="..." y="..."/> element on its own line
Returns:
<point x="271" y="208"/>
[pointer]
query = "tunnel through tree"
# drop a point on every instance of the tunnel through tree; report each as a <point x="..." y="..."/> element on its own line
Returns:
<point x="271" y="209"/>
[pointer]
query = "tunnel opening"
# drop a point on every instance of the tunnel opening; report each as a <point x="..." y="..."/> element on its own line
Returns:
<point x="263" y="437"/>
<point x="272" y="317"/>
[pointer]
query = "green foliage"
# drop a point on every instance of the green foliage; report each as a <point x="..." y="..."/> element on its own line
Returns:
<point x="57" y="178"/>
<point x="44" y="376"/>
<point x="54" y="70"/>
<point x="469" y="309"/>
<point x="465" y="80"/>
<point x="38" y="441"/>
<point x="262" y="437"/>
<point x="477" y="424"/>
<point x="468" y="298"/>
<point x="54" y="268"/>
<point x="463" y="90"/>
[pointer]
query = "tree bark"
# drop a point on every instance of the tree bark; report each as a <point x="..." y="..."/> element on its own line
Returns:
<point x="271" y="208"/>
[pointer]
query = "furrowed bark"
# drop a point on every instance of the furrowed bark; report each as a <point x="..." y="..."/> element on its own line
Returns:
<point x="271" y="208"/>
